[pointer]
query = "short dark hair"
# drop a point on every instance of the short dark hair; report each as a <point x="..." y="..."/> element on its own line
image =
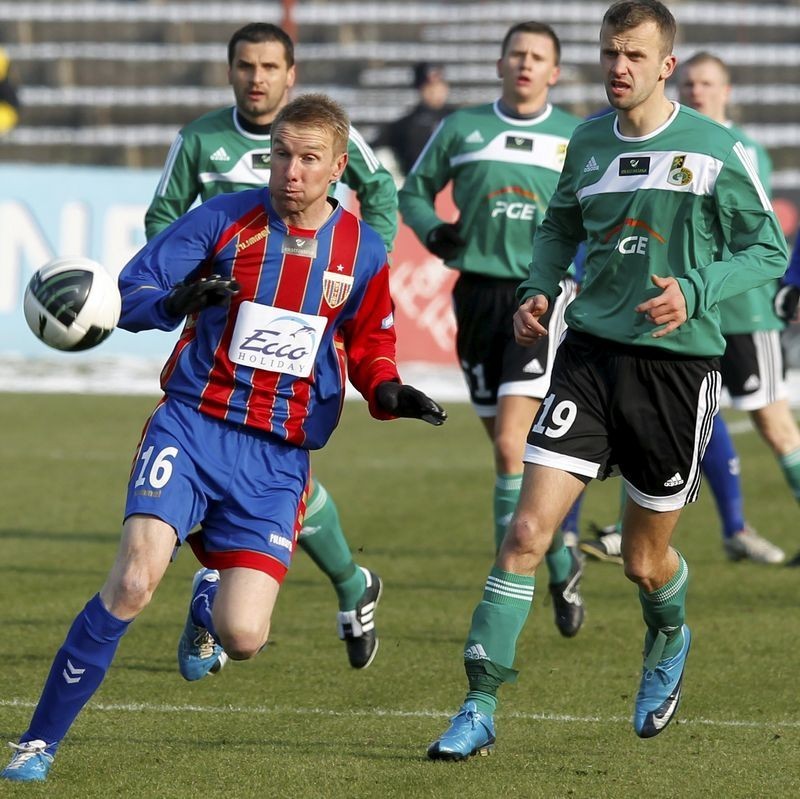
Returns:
<point x="704" y="57"/>
<point x="257" y="32"/>
<point x="316" y="111"/>
<point x="542" y="28"/>
<point x="626" y="14"/>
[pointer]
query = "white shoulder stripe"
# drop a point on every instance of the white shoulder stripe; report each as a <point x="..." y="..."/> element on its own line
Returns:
<point x="366" y="151"/>
<point x="427" y="146"/>
<point x="749" y="167"/>
<point x="172" y="155"/>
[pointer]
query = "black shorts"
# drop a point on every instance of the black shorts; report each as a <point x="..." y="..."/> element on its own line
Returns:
<point x="754" y="370"/>
<point x="494" y="365"/>
<point x="639" y="411"/>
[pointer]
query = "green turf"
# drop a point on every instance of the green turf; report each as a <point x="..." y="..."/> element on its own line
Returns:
<point x="298" y="722"/>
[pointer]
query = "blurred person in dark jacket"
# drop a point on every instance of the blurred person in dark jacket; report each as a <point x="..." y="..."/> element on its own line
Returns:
<point x="406" y="136"/>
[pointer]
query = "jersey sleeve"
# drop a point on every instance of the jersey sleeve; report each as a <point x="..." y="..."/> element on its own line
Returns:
<point x="169" y="258"/>
<point x="178" y="186"/>
<point x="369" y="339"/>
<point x="427" y="178"/>
<point x="374" y="188"/>
<point x="556" y="240"/>
<point x="751" y="232"/>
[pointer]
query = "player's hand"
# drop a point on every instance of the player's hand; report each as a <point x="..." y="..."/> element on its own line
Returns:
<point x="188" y="298"/>
<point x="668" y="308"/>
<point x="445" y="241"/>
<point x="786" y="303"/>
<point x="409" y="402"/>
<point x="527" y="327"/>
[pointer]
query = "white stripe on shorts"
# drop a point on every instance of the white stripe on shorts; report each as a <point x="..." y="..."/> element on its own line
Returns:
<point x="707" y="408"/>
<point x="769" y="360"/>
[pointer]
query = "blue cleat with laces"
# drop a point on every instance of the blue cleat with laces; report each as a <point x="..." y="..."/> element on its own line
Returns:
<point x="198" y="653"/>
<point x="30" y="763"/>
<point x="470" y="733"/>
<point x="660" y="688"/>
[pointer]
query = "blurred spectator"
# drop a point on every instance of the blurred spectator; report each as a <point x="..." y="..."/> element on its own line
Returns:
<point x="406" y="136"/>
<point x="9" y="102"/>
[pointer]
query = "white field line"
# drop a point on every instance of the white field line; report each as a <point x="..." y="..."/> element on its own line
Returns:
<point x="261" y="710"/>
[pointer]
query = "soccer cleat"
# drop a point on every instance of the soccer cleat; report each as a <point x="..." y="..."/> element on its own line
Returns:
<point x="198" y="653"/>
<point x="660" y="688"/>
<point x="747" y="544"/>
<point x="567" y="601"/>
<point x="357" y="627"/>
<point x="607" y="546"/>
<point x="30" y="763"/>
<point x="470" y="733"/>
<point x="795" y="561"/>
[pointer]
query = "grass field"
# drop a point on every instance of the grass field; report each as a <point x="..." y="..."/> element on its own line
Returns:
<point x="298" y="722"/>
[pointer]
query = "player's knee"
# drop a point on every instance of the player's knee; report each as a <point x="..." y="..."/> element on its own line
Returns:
<point x="508" y="452"/>
<point x="242" y="643"/>
<point x="526" y="536"/>
<point x="129" y="594"/>
<point x="641" y="569"/>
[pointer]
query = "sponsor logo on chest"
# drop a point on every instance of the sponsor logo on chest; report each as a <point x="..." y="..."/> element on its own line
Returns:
<point x="298" y="245"/>
<point x="640" y="165"/>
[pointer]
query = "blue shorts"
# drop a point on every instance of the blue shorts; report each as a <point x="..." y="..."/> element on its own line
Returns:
<point x="245" y="488"/>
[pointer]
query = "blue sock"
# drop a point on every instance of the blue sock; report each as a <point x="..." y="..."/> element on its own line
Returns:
<point x="721" y="469"/>
<point x="203" y="605"/>
<point x="571" y="523"/>
<point x="77" y="671"/>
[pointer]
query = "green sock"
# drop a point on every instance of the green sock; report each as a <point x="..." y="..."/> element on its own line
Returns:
<point x="664" y="610"/>
<point x="322" y="538"/>
<point x="492" y="642"/>
<point x="506" y="494"/>
<point x="790" y="465"/>
<point x="558" y="559"/>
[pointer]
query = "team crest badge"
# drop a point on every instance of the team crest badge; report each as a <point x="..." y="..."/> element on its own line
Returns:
<point x="336" y="288"/>
<point x="679" y="175"/>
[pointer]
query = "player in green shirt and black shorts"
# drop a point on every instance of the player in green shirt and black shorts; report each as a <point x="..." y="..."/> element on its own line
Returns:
<point x="229" y="150"/>
<point x="675" y="220"/>
<point x="504" y="159"/>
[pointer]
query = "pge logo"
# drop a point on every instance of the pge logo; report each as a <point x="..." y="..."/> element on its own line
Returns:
<point x="636" y="244"/>
<point x="514" y="210"/>
<point x="631" y="245"/>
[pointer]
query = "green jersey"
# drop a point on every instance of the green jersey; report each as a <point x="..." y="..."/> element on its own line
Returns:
<point x="504" y="171"/>
<point x="684" y="201"/>
<point x="753" y="310"/>
<point x="215" y="155"/>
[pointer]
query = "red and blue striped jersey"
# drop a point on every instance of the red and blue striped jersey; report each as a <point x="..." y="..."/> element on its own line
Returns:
<point x="337" y="276"/>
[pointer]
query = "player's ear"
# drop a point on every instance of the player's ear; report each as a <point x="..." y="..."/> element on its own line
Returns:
<point x="291" y="76"/>
<point x="338" y="167"/>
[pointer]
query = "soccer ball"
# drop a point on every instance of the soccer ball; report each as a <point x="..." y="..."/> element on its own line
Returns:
<point x="72" y="303"/>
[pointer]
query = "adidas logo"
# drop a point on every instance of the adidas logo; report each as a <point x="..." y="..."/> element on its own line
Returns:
<point x="752" y="383"/>
<point x="220" y="155"/>
<point x="475" y="652"/>
<point x="474" y="138"/>
<point x="533" y="367"/>
<point x="675" y="480"/>
<point x="591" y="165"/>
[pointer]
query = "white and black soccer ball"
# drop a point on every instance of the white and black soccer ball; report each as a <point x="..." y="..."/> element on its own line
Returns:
<point x="72" y="303"/>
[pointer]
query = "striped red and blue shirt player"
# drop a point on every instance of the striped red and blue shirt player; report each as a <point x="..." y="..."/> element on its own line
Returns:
<point x="327" y="292"/>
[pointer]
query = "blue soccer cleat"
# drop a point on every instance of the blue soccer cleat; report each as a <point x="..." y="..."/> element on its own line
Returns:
<point x="30" y="763"/>
<point x="660" y="688"/>
<point x="470" y="733"/>
<point x="198" y="652"/>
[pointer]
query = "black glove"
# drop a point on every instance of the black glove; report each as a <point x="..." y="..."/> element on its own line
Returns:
<point x="187" y="298"/>
<point x="786" y="301"/>
<point x="445" y="241"/>
<point x="407" y="401"/>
